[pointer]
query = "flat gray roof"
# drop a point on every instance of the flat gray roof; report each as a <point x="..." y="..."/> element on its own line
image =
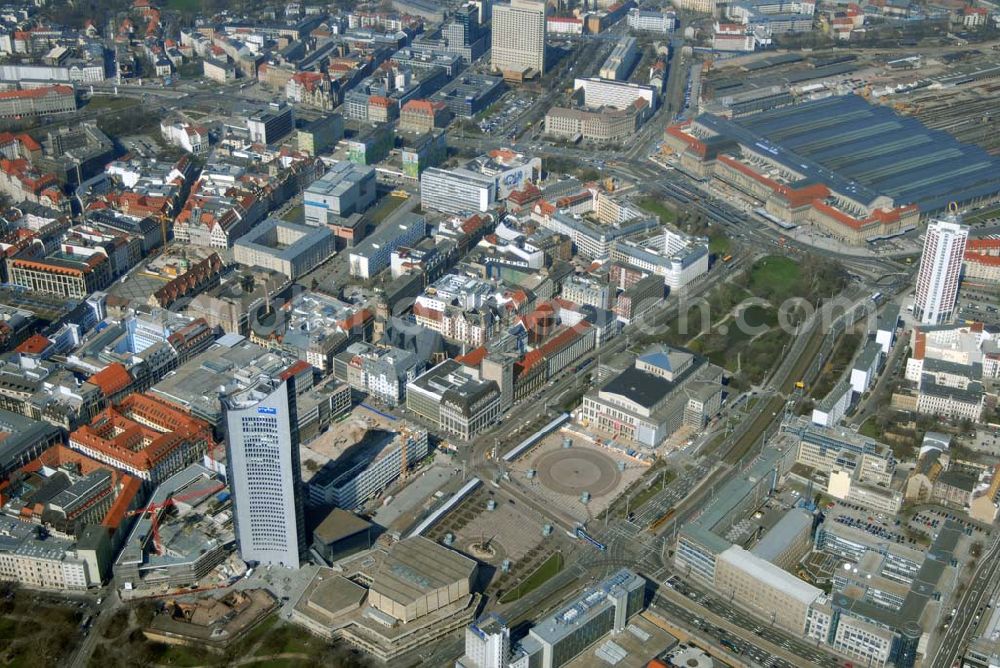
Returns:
<point x="775" y="541"/>
<point x="416" y="566"/>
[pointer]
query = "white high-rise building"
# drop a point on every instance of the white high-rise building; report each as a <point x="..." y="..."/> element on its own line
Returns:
<point x="262" y="446"/>
<point x="519" y="36"/>
<point x="487" y="644"/>
<point x="940" y="270"/>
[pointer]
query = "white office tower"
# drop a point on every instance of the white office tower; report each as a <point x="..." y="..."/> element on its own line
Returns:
<point x="940" y="271"/>
<point x="262" y="446"/>
<point x="519" y="37"/>
<point x="487" y="644"/>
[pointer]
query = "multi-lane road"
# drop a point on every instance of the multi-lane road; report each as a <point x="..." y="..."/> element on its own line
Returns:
<point x="970" y="608"/>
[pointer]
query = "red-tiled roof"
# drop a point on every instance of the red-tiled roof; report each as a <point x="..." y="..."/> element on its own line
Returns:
<point x="422" y="311"/>
<point x="37" y="92"/>
<point x="564" y="338"/>
<point x="982" y="245"/>
<point x="111" y="379"/>
<point x="530" y="359"/>
<point x="35" y="344"/>
<point x="295" y="369"/>
<point x="423" y="107"/>
<point x="983" y="259"/>
<point x="357" y="319"/>
<point x="693" y="142"/>
<point x="473" y="358"/>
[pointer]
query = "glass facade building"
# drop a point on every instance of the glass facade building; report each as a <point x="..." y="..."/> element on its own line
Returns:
<point x="264" y="475"/>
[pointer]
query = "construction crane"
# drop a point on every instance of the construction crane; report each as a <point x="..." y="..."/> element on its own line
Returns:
<point x="155" y="509"/>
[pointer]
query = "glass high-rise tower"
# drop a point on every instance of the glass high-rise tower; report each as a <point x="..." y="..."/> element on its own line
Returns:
<point x="262" y="445"/>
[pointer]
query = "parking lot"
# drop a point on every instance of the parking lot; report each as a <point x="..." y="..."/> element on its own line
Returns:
<point x="931" y="518"/>
<point x="510" y="107"/>
<point x="879" y="525"/>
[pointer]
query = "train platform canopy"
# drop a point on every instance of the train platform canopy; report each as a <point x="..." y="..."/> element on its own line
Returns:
<point x="867" y="150"/>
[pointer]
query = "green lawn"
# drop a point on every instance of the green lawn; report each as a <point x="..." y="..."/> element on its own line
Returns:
<point x="109" y="103"/>
<point x="658" y="208"/>
<point x="186" y="657"/>
<point x="34" y="633"/>
<point x="719" y="244"/>
<point x="773" y="269"/>
<point x="757" y="315"/>
<point x="870" y="429"/>
<point x="538" y="577"/>
<point x="184" y="5"/>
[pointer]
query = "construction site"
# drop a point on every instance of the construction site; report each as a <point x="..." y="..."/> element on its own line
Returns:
<point x="358" y="458"/>
<point x="182" y="535"/>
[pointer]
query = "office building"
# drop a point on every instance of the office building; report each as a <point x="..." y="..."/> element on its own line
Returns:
<point x="380" y="372"/>
<point x="427" y="150"/>
<point x="456" y="190"/>
<point x="272" y="124"/>
<point x="464" y="34"/>
<point x="423" y="116"/>
<point x="701" y="542"/>
<point x="46" y="563"/>
<point x="372" y="145"/>
<point x="764" y="588"/>
<point x="599" y="93"/>
<point x="375" y="253"/>
<point x="700" y="6"/>
<point x="888" y="324"/>
<point x="264" y="473"/>
<point x="452" y="401"/>
<point x="677" y="257"/>
<point x="586" y="290"/>
<point x="509" y="170"/>
<point x="487" y="644"/>
<point x="622" y="59"/>
<point x="642" y="20"/>
<point x="604" y="125"/>
<point x="873" y="620"/>
<point x="831" y="409"/>
<point x="23" y="439"/>
<point x="344" y="190"/>
<point x="365" y="471"/>
<point x="519" y="38"/>
<point x="940" y="271"/>
<point x="564" y="25"/>
<point x="865" y="369"/>
<point x="37" y="101"/>
<point x="284" y="247"/>
<point x="66" y="274"/>
<point x="605" y="608"/>
<point x="594" y="240"/>
<point x="827" y="449"/>
<point x="321" y="135"/>
<point x="470" y="94"/>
